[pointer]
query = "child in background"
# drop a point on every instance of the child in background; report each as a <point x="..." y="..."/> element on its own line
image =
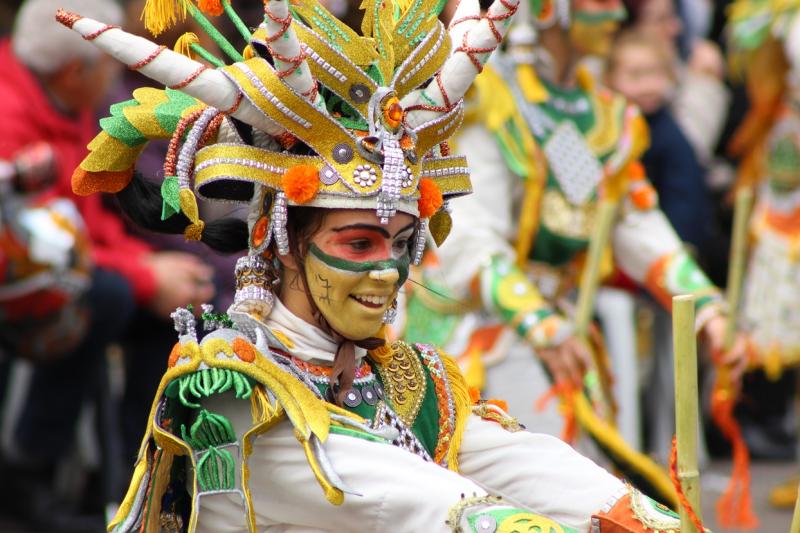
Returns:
<point x="641" y="68"/>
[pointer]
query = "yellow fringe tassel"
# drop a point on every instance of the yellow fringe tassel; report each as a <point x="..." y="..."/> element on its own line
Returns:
<point x="462" y="405"/>
<point x="260" y="407"/>
<point x="184" y="44"/>
<point x="161" y="15"/>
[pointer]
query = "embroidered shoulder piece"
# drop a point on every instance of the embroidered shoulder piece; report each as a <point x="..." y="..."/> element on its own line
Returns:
<point x="404" y="382"/>
<point x="181" y="423"/>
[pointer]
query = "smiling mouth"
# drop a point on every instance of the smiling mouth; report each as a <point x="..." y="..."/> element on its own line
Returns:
<point x="371" y="301"/>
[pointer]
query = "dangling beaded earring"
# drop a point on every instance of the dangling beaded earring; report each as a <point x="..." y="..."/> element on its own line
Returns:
<point x="391" y="314"/>
<point x="255" y="272"/>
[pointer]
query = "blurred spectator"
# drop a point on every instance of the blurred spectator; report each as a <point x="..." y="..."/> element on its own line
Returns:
<point x="150" y="337"/>
<point x="642" y="69"/>
<point x="51" y="88"/>
<point x="700" y="98"/>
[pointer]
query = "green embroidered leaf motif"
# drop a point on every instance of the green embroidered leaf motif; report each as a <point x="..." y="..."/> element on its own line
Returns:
<point x="208" y="430"/>
<point x="170" y="193"/>
<point x="120" y="128"/>
<point x="215" y="470"/>
<point x="170" y="112"/>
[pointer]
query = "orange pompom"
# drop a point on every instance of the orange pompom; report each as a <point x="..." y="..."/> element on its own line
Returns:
<point x="243" y="350"/>
<point x="430" y="198"/>
<point x="301" y="183"/>
<point x="210" y="7"/>
<point x="644" y="196"/>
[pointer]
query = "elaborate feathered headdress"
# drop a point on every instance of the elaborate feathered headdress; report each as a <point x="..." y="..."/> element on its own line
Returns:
<point x="309" y="113"/>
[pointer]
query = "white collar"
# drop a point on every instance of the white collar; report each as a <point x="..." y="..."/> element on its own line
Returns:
<point x="305" y="341"/>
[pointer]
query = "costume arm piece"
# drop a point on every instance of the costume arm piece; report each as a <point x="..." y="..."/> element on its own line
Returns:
<point x="506" y="291"/>
<point x="479" y="250"/>
<point x="536" y="471"/>
<point x="634" y="512"/>
<point x="648" y="249"/>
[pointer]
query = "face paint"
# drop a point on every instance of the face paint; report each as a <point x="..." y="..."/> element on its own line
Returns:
<point x="594" y="24"/>
<point x="353" y="296"/>
<point x="593" y="38"/>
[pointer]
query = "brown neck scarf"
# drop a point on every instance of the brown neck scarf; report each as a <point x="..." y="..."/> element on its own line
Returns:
<point x="344" y="365"/>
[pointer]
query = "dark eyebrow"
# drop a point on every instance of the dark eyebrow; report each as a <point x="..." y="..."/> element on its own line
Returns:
<point x="408" y="227"/>
<point x="369" y="227"/>
<point x="372" y="227"/>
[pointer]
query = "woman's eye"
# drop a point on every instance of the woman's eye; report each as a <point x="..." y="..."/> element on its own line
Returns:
<point x="360" y="245"/>
<point x="400" y="246"/>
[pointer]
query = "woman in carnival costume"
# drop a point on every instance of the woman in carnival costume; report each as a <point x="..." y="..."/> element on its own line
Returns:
<point x="765" y="48"/>
<point x="555" y="148"/>
<point x="292" y="413"/>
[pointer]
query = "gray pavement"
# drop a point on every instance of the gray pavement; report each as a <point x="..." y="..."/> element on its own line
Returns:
<point x="764" y="476"/>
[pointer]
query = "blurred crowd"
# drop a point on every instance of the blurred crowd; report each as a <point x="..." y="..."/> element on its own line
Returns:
<point x="85" y="299"/>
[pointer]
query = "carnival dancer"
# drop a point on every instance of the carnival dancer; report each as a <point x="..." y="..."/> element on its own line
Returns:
<point x="293" y="413"/>
<point x="764" y="38"/>
<point x="554" y="148"/>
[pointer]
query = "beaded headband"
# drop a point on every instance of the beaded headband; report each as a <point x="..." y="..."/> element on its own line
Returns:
<point x="309" y="113"/>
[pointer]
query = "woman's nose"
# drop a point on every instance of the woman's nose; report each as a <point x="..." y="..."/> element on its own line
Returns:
<point x="387" y="275"/>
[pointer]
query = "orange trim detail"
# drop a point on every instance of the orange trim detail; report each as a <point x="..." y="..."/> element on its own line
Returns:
<point x="655" y="281"/>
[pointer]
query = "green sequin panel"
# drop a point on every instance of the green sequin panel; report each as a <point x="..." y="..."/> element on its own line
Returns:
<point x="118" y="126"/>
<point x="426" y="425"/>
<point x="554" y="249"/>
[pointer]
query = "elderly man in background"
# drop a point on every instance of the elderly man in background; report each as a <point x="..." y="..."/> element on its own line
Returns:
<point x="52" y="86"/>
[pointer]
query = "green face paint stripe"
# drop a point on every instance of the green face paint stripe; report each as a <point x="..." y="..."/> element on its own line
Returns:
<point x="616" y="15"/>
<point x="401" y="265"/>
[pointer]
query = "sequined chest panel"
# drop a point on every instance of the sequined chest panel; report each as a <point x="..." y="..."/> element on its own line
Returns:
<point x="402" y="393"/>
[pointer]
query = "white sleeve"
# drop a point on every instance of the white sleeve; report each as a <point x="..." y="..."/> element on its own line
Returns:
<point x="483" y="222"/>
<point x="640" y="238"/>
<point x="399" y="491"/>
<point x="536" y="471"/>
